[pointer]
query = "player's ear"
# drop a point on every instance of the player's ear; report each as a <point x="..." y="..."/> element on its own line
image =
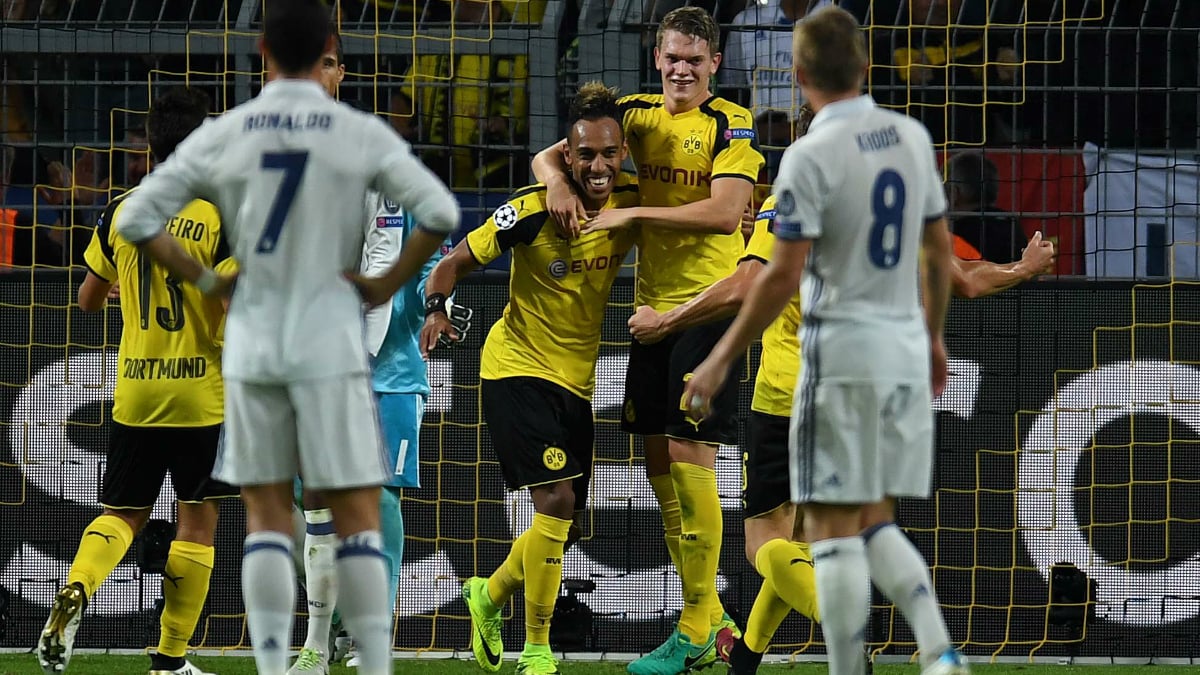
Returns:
<point x="716" y="58"/>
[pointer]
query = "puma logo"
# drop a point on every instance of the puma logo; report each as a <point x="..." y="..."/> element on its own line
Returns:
<point x="174" y="580"/>
<point x="106" y="537"/>
<point x="802" y="560"/>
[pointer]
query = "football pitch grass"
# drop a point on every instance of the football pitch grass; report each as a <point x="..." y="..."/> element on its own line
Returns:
<point x="109" y="664"/>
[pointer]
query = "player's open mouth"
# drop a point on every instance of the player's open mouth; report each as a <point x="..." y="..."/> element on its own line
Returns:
<point x="598" y="182"/>
<point x="683" y="83"/>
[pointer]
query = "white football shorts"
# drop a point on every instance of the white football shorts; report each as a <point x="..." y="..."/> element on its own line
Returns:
<point x="859" y="442"/>
<point x="325" y="430"/>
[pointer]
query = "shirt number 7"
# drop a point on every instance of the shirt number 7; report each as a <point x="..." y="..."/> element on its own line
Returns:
<point x="292" y="164"/>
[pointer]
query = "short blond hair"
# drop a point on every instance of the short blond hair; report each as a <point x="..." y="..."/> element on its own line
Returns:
<point x="828" y="44"/>
<point x="693" y="22"/>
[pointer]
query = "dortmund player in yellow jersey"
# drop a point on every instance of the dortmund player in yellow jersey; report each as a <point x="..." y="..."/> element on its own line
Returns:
<point x="538" y="367"/>
<point x="697" y="161"/>
<point x="167" y="411"/>
<point x="773" y="543"/>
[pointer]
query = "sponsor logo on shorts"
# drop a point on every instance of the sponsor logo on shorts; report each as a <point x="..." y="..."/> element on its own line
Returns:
<point x="630" y="413"/>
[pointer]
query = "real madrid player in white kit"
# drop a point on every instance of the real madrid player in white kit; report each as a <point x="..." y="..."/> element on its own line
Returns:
<point x="859" y="200"/>
<point x="289" y="171"/>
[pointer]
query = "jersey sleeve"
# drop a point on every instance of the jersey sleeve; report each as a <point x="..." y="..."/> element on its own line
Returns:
<point x="99" y="254"/>
<point x="735" y="150"/>
<point x="172" y="184"/>
<point x="406" y="180"/>
<point x="799" y="195"/>
<point x="512" y="224"/>
<point x="762" y="240"/>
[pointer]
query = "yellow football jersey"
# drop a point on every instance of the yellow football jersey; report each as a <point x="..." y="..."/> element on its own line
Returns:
<point x="558" y="289"/>
<point x="678" y="157"/>
<point x="169" y="372"/>
<point x="779" y="367"/>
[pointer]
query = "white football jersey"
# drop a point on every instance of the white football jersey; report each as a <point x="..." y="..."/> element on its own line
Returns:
<point x="861" y="185"/>
<point x="289" y="171"/>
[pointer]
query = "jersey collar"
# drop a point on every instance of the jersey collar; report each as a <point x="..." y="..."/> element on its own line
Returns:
<point x="287" y="84"/>
<point x="846" y="108"/>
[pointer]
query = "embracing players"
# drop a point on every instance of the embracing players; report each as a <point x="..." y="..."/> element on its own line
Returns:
<point x="697" y="162"/>
<point x="538" y="366"/>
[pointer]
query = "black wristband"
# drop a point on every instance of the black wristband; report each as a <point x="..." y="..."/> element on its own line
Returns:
<point x="435" y="303"/>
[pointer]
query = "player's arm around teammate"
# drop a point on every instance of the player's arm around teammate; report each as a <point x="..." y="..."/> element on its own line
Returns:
<point x="537" y="370"/>
<point x="697" y="161"/>
<point x="167" y="411"/>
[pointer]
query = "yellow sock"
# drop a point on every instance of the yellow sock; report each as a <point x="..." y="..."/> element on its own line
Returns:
<point x="668" y="504"/>
<point x="105" y="541"/>
<point x="543" y="574"/>
<point x="787" y="566"/>
<point x="185" y="587"/>
<point x="510" y="575"/>
<point x="699" y="546"/>
<point x="766" y="615"/>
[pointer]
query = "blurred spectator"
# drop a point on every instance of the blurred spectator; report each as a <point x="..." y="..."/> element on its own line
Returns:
<point x="137" y="157"/>
<point x="758" y="62"/>
<point x="972" y="186"/>
<point x="468" y="113"/>
<point x="950" y="65"/>
<point x="30" y="203"/>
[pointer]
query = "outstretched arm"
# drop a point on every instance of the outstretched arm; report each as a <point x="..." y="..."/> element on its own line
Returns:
<point x="769" y="295"/>
<point x="719" y="301"/>
<point x="979" y="278"/>
<point x="720" y="213"/>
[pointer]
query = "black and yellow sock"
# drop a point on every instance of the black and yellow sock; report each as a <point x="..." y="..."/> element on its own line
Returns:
<point x="543" y="574"/>
<point x="105" y="541"/>
<point x="509" y="576"/>
<point x="699" y="546"/>
<point x="766" y="615"/>
<point x="185" y="587"/>
<point x="788" y="567"/>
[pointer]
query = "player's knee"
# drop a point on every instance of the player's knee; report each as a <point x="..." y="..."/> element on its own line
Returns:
<point x="134" y="518"/>
<point x="197" y="522"/>
<point x="556" y="500"/>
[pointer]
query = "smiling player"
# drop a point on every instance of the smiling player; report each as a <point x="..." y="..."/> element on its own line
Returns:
<point x="538" y="367"/>
<point x="697" y="161"/>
